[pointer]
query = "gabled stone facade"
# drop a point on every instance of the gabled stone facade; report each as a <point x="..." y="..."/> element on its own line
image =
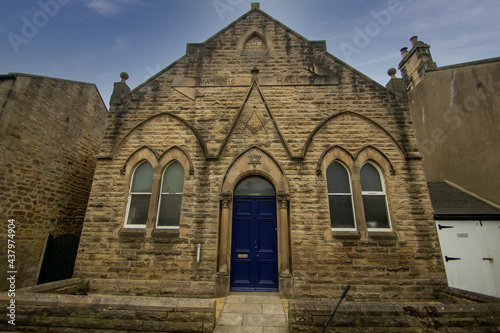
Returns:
<point x="258" y="99"/>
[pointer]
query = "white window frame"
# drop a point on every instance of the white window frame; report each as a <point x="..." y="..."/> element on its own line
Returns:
<point x="355" y="228"/>
<point x="136" y="226"/>
<point x="379" y="193"/>
<point x="161" y="193"/>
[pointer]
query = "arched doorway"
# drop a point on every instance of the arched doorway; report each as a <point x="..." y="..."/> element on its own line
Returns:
<point x="254" y="162"/>
<point x="254" y="254"/>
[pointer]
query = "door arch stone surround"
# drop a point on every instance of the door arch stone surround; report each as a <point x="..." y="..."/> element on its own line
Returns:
<point x="254" y="161"/>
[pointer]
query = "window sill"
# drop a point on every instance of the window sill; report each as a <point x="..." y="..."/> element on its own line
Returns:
<point x="132" y="232"/>
<point x="382" y="235"/>
<point x="164" y="235"/>
<point x="346" y="235"/>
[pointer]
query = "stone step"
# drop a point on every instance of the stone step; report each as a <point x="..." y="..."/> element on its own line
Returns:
<point x="252" y="312"/>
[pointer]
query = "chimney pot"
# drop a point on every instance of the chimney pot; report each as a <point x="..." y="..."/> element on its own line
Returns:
<point x="404" y="52"/>
<point x="414" y="40"/>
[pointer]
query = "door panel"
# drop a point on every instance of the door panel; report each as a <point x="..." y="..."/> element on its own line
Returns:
<point x="463" y="245"/>
<point x="254" y="260"/>
<point x="490" y="240"/>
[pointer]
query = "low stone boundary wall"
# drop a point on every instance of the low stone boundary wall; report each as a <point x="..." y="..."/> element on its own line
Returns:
<point x="310" y="316"/>
<point x="43" y="312"/>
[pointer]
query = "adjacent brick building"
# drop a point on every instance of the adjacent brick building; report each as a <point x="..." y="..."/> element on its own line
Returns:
<point x="259" y="161"/>
<point x="50" y="132"/>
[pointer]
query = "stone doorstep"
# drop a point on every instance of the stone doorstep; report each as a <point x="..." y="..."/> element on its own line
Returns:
<point x="235" y="320"/>
<point x="252" y="312"/>
<point x="264" y="320"/>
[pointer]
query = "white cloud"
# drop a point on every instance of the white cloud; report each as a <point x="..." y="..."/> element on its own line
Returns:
<point x="111" y="7"/>
<point x="382" y="58"/>
<point x="78" y="61"/>
<point x="120" y="45"/>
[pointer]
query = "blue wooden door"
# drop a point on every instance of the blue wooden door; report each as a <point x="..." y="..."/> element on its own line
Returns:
<point x="254" y="259"/>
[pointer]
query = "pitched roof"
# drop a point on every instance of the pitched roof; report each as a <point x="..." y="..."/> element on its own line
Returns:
<point x="450" y="202"/>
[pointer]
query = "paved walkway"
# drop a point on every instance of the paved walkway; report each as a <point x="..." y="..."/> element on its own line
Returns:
<point x="257" y="312"/>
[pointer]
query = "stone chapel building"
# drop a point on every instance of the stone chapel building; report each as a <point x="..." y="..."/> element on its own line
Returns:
<point x="260" y="162"/>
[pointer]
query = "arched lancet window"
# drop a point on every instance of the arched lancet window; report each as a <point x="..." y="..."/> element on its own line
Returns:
<point x="374" y="197"/>
<point x="169" y="208"/>
<point x="253" y="186"/>
<point x="340" y="197"/>
<point x="139" y="196"/>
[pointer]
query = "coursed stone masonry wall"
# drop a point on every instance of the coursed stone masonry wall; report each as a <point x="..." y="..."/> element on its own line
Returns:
<point x="305" y="109"/>
<point x="50" y="132"/>
<point x="394" y="317"/>
<point x="66" y="311"/>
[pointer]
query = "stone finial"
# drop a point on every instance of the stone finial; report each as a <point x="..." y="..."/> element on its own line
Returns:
<point x="392" y="72"/>
<point x="396" y="85"/>
<point x="124" y="76"/>
<point x="120" y="90"/>
<point x="255" y="5"/>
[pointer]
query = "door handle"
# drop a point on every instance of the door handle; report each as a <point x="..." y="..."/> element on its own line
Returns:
<point x="489" y="259"/>
<point x="451" y="258"/>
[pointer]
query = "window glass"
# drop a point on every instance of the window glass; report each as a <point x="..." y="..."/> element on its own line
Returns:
<point x="341" y="213"/>
<point x="143" y="178"/>
<point x="173" y="180"/>
<point x="370" y="178"/>
<point x="340" y="197"/>
<point x="375" y="211"/>
<point x="140" y="195"/>
<point x="337" y="179"/>
<point x="169" y="211"/>
<point x="374" y="198"/>
<point x="255" y="185"/>
<point x="138" y="209"/>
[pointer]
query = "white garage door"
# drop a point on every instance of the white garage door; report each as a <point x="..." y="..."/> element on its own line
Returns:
<point x="471" y="254"/>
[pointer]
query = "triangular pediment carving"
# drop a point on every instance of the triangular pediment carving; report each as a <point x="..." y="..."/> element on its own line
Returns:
<point x="254" y="119"/>
<point x="255" y="123"/>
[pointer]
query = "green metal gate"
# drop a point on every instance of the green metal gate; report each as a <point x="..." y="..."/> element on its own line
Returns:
<point x="59" y="258"/>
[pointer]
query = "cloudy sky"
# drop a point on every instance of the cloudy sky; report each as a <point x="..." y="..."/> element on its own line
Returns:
<point x="94" y="40"/>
